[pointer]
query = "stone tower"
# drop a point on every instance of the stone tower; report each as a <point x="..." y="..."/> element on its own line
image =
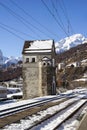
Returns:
<point x="38" y="68"/>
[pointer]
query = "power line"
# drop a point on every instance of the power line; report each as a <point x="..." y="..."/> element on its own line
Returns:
<point x="54" y="17"/>
<point x="15" y="15"/>
<point x="25" y="12"/>
<point x="21" y="19"/>
<point x="29" y="22"/>
<point x="16" y="30"/>
<point x="58" y="14"/>
<point x="63" y="8"/>
<point x="66" y="16"/>
<point x="11" y="32"/>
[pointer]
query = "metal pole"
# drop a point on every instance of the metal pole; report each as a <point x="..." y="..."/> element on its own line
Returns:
<point x="54" y="78"/>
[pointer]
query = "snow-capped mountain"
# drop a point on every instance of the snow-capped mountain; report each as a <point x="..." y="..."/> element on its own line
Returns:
<point x="12" y="60"/>
<point x="8" y="61"/>
<point x="69" y="42"/>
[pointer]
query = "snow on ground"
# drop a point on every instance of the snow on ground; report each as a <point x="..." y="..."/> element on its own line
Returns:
<point x="10" y="105"/>
<point x="15" y="94"/>
<point x="85" y="75"/>
<point x="82" y="79"/>
<point x="28" y="122"/>
<point x="18" y="103"/>
<point x="84" y="61"/>
<point x="53" y="123"/>
<point x="22" y="102"/>
<point x="71" y="125"/>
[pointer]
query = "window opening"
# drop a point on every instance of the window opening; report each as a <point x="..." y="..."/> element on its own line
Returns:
<point x="33" y="59"/>
<point x="27" y="60"/>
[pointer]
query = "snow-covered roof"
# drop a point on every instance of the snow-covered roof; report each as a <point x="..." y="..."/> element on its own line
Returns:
<point x="37" y="46"/>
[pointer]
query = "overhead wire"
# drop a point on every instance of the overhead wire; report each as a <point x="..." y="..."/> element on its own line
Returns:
<point x="3" y="26"/>
<point x="59" y="25"/>
<point x="25" y="12"/>
<point x="11" y="32"/>
<point x="59" y="18"/>
<point x="21" y="19"/>
<point x="16" y="30"/>
<point x="16" y="16"/>
<point x="14" y="34"/>
<point x="63" y="8"/>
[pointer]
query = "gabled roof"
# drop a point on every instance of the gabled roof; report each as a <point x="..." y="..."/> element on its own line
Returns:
<point x="37" y="46"/>
<point x="45" y="59"/>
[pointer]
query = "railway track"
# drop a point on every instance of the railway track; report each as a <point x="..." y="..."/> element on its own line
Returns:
<point x="51" y="114"/>
<point x="12" y="110"/>
<point x="13" y="114"/>
<point x="24" y="106"/>
<point x="74" y="122"/>
<point x="55" y="120"/>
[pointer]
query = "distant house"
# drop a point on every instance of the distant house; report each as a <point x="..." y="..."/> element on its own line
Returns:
<point x="74" y="64"/>
<point x="38" y="68"/>
<point x="61" y="66"/>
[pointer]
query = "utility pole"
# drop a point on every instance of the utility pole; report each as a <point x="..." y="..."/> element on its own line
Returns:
<point x="53" y="68"/>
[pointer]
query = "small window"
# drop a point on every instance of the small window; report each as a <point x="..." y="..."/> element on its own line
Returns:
<point x="33" y="59"/>
<point x="48" y="64"/>
<point x="44" y="64"/>
<point x="27" y="60"/>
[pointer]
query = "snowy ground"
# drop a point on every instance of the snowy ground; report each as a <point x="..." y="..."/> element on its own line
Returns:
<point x="80" y="92"/>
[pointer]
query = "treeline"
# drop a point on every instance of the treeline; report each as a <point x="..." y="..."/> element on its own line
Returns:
<point x="10" y="73"/>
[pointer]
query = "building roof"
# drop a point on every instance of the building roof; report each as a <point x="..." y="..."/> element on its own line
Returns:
<point x="37" y="46"/>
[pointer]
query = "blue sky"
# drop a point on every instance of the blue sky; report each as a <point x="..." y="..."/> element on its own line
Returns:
<point x="39" y="19"/>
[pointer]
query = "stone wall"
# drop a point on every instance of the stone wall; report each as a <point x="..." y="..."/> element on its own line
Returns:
<point x="37" y="80"/>
<point x="31" y="78"/>
<point x="47" y="80"/>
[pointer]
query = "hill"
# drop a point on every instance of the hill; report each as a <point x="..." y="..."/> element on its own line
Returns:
<point x="73" y="67"/>
<point x="73" y="54"/>
<point x="10" y="73"/>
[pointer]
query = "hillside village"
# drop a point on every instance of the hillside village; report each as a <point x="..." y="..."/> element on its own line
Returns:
<point x="71" y="69"/>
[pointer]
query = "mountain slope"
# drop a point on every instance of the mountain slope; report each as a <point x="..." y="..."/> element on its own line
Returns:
<point x="76" y="53"/>
<point x="69" y="42"/>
